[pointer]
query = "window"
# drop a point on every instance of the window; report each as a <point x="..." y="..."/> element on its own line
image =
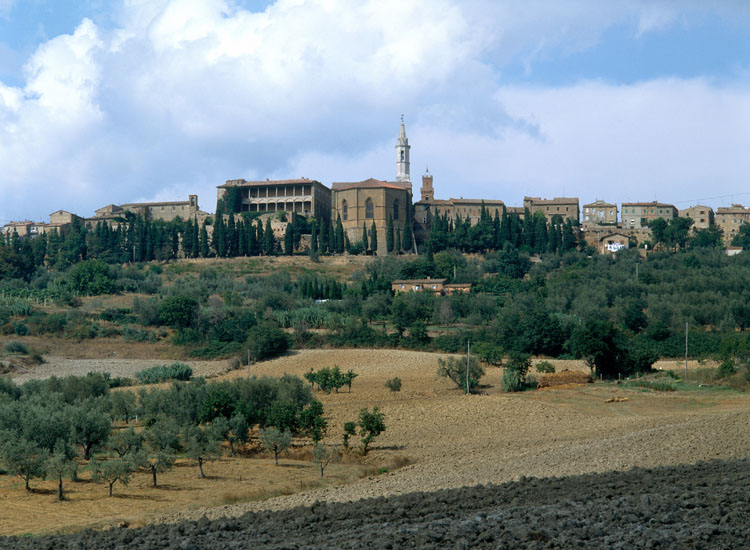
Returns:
<point x="395" y="209"/>
<point x="344" y="211"/>
<point x="368" y="209"/>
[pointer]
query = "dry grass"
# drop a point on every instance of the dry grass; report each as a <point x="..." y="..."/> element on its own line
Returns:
<point x="228" y="481"/>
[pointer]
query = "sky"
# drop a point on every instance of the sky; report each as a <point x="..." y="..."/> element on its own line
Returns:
<point x="115" y="101"/>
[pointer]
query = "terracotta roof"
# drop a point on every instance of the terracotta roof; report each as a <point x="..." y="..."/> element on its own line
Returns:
<point x="420" y="281"/>
<point x="258" y="183"/>
<point x="143" y="204"/>
<point x="476" y="201"/>
<point x="366" y="184"/>
<point x="556" y="200"/>
<point x="734" y="209"/>
<point x="653" y="203"/>
<point x="458" y="285"/>
<point x="599" y="203"/>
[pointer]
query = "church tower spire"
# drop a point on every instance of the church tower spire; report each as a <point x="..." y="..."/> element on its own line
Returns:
<point x="402" y="155"/>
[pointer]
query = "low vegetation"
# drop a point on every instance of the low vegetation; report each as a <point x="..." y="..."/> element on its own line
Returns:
<point x="164" y="373"/>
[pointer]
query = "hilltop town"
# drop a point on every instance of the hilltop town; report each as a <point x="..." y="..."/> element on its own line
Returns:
<point x="372" y="207"/>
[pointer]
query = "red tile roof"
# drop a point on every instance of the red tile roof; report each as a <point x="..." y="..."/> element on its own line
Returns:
<point x="371" y="183"/>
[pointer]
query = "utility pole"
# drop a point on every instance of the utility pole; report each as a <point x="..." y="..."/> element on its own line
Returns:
<point x="468" y="358"/>
<point x="686" y="329"/>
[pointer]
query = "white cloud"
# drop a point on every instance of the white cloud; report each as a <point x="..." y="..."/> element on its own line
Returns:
<point x="671" y="140"/>
<point x="183" y="94"/>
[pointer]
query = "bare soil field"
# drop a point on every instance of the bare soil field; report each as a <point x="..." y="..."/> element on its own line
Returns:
<point x="454" y="440"/>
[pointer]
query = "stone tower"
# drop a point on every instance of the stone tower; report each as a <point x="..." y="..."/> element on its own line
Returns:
<point x="402" y="155"/>
<point x="428" y="193"/>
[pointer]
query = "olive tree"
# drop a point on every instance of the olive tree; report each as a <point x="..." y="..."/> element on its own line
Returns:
<point x="371" y="424"/>
<point x="275" y="441"/>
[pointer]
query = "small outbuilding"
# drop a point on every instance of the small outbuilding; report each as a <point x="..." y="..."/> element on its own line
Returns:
<point x="613" y="242"/>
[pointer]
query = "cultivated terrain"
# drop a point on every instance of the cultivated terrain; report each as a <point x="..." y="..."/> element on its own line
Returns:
<point x="448" y="440"/>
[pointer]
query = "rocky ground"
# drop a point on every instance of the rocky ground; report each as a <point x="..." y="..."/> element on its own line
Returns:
<point x="701" y="506"/>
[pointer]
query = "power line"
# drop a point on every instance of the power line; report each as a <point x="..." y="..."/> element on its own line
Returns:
<point x="713" y="198"/>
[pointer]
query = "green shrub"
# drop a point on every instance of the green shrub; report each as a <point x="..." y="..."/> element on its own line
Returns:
<point x="131" y="333"/>
<point x="162" y="373"/>
<point x="545" y="367"/>
<point x="20" y="329"/>
<point x="489" y="353"/>
<point x="16" y="347"/>
<point x="726" y="368"/>
<point x="187" y="336"/>
<point x="178" y="311"/>
<point x="511" y="381"/>
<point x="92" y="277"/>
<point x="329" y="379"/>
<point x="454" y="368"/>
<point x="394" y="384"/>
<point x="265" y="341"/>
<point x="217" y="350"/>
<point x="115" y="314"/>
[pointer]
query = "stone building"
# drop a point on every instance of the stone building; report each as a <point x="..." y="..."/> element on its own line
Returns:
<point x="432" y="286"/>
<point x="363" y="202"/>
<point x="567" y="207"/>
<point x="613" y="242"/>
<point x="58" y="220"/>
<point x="730" y="218"/>
<point x="114" y="214"/>
<point x="302" y="196"/>
<point x="599" y="213"/>
<point x="428" y="207"/>
<point x="164" y="211"/>
<point x="636" y="215"/>
<point x="702" y="216"/>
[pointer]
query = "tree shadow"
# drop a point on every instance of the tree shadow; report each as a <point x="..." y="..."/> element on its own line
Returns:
<point x="41" y="491"/>
<point x="386" y="448"/>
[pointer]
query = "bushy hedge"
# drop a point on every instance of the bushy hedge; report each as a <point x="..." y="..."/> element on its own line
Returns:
<point x="163" y="373"/>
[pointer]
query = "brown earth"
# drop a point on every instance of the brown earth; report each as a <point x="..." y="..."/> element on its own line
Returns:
<point x="454" y="440"/>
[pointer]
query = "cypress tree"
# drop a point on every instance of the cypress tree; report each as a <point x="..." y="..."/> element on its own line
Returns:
<point x="289" y="240"/>
<point x="314" y="237"/>
<point x="252" y="239"/>
<point x="232" y="245"/>
<point x="331" y="239"/>
<point x="365" y="245"/>
<point x="218" y="239"/>
<point x="324" y="232"/>
<point x="296" y="230"/>
<point x="241" y="238"/>
<point x="260" y="236"/>
<point x="269" y="243"/>
<point x="389" y="234"/>
<point x="398" y="240"/>
<point x="374" y="238"/>
<point x="340" y="243"/>
<point x="204" y="250"/>
<point x="407" y="242"/>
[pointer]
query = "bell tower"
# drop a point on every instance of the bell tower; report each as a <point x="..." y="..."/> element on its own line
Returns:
<point x="402" y="156"/>
<point x="428" y="193"/>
